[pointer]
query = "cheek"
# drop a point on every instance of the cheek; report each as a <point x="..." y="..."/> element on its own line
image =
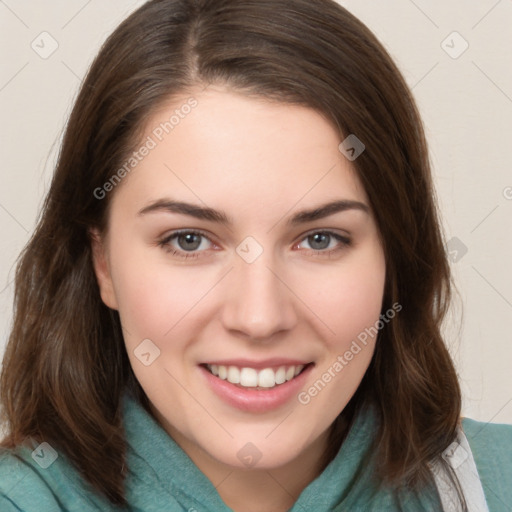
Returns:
<point x="349" y="299"/>
<point x="351" y="302"/>
<point x="152" y="297"/>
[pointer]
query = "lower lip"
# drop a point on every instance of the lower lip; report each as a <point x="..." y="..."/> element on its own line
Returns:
<point x="253" y="400"/>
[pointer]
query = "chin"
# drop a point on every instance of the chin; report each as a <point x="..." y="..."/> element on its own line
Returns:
<point x="260" y="452"/>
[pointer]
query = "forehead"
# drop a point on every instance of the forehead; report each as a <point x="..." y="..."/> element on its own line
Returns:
<point x="220" y="148"/>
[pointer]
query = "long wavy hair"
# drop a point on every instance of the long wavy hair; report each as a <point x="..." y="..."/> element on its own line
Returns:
<point x="65" y="367"/>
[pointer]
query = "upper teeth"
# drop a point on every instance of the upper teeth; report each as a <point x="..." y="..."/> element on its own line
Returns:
<point x="250" y="377"/>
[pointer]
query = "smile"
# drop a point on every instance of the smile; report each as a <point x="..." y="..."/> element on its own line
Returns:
<point x="256" y="379"/>
<point x="256" y="387"/>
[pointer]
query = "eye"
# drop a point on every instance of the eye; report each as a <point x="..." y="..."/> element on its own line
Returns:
<point x="325" y="242"/>
<point x="191" y="244"/>
<point x="185" y="244"/>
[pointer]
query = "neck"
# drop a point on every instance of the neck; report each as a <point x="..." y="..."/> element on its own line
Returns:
<point x="259" y="490"/>
<point x="265" y="490"/>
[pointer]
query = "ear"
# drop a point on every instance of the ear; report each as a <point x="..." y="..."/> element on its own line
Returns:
<point x="102" y="269"/>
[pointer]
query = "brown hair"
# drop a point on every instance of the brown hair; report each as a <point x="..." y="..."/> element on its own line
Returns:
<point x="65" y="366"/>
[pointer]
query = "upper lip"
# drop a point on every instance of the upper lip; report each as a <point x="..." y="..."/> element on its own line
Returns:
<point x="266" y="363"/>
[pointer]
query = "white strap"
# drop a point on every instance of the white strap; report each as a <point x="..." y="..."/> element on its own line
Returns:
<point x="458" y="455"/>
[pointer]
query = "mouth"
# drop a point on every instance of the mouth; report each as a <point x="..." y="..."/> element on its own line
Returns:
<point x="258" y="378"/>
<point x="256" y="386"/>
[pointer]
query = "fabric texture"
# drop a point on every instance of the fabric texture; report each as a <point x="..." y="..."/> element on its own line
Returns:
<point x="162" y="478"/>
<point x="457" y="461"/>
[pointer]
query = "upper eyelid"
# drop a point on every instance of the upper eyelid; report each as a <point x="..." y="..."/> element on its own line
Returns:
<point x="179" y="232"/>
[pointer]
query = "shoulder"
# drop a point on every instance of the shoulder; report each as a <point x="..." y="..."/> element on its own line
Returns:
<point x="489" y="442"/>
<point x="491" y="446"/>
<point x="21" y="487"/>
<point x="39" y="480"/>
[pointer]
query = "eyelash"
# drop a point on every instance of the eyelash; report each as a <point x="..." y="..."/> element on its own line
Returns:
<point x="164" y="243"/>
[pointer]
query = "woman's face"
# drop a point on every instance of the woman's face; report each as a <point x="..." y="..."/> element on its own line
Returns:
<point x="220" y="252"/>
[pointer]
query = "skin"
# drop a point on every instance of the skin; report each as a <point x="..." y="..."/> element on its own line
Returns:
<point x="260" y="162"/>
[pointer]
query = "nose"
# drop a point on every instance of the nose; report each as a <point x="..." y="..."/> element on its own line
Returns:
<point x="257" y="301"/>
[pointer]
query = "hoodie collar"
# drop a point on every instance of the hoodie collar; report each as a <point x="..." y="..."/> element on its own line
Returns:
<point x="161" y="472"/>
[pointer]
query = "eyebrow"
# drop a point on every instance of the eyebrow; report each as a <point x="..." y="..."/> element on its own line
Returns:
<point x="220" y="217"/>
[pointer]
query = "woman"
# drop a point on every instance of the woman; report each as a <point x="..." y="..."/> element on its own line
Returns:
<point x="233" y="298"/>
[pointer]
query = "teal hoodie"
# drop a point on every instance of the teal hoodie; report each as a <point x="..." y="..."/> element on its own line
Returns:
<point x="162" y="478"/>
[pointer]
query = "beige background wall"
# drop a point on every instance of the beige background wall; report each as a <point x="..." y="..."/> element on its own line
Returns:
<point x="454" y="54"/>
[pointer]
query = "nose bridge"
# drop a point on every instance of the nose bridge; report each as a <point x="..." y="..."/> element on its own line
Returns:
<point x="257" y="304"/>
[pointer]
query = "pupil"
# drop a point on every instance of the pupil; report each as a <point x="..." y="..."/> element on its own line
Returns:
<point x="319" y="241"/>
<point x="189" y="241"/>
